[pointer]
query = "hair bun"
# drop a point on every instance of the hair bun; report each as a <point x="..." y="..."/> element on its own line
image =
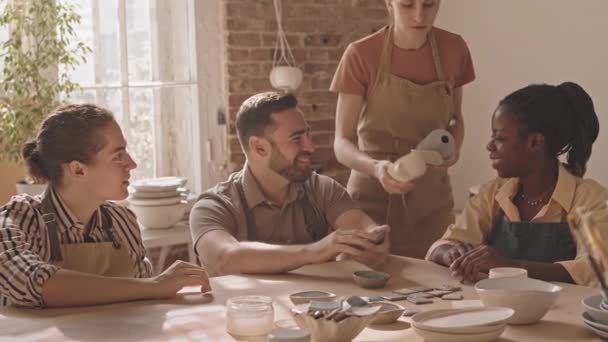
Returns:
<point x="35" y="165"/>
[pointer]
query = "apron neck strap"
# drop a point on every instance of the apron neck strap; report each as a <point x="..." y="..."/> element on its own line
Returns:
<point x="436" y="56"/>
<point x="50" y="220"/>
<point x="387" y="54"/>
<point x="315" y="222"/>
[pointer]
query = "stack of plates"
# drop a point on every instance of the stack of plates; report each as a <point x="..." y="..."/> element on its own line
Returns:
<point x="158" y="202"/>
<point x="455" y="325"/>
<point x="596" y="315"/>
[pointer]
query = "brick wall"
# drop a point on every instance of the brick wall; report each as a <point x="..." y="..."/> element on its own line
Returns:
<point x="318" y="32"/>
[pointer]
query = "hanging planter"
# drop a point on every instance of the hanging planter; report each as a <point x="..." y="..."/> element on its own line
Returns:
<point x="285" y="75"/>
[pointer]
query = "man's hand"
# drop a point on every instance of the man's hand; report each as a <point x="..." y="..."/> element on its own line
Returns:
<point x="377" y="254"/>
<point x="480" y="259"/>
<point x="341" y="241"/>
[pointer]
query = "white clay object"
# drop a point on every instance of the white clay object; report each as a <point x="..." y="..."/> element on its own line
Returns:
<point x="408" y="167"/>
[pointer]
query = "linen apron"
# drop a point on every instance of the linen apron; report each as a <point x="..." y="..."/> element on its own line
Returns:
<point x="398" y="115"/>
<point x="101" y="258"/>
<point x="542" y="242"/>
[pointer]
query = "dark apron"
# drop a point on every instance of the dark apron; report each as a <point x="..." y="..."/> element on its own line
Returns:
<point x="541" y="242"/>
<point x="316" y="223"/>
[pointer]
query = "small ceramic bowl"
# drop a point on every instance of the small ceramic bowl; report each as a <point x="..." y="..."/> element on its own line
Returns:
<point x="593" y="307"/>
<point x="308" y="296"/>
<point x="508" y="272"/>
<point x="389" y="313"/>
<point x="371" y="279"/>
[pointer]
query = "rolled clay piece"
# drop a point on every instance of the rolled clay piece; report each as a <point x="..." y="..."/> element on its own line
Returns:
<point x="408" y="167"/>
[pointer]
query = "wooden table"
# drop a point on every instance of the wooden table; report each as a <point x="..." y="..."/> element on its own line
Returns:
<point x="195" y="317"/>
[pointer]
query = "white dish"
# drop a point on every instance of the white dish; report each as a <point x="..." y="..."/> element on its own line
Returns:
<point x="508" y="272"/>
<point x="155" y="194"/>
<point x="323" y="330"/>
<point x="598" y="332"/>
<point x="146" y="202"/>
<point x="433" y="336"/>
<point x="530" y="298"/>
<point x="592" y="306"/>
<point x="159" y="217"/>
<point x="159" y="184"/>
<point x="589" y="320"/>
<point x="304" y="297"/>
<point x="469" y="321"/>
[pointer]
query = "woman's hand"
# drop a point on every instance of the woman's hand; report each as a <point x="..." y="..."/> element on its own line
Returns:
<point x="178" y="276"/>
<point x="390" y="184"/>
<point x="479" y="259"/>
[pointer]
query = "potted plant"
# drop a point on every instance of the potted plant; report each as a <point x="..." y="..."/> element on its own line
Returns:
<point x="38" y="56"/>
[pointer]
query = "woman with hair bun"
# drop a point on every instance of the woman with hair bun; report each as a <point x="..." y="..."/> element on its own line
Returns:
<point x="70" y="246"/>
<point x="519" y="219"/>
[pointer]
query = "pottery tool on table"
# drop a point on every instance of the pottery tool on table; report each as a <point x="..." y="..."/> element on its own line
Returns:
<point x="588" y="235"/>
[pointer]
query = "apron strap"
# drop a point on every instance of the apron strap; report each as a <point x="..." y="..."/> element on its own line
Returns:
<point x="249" y="219"/>
<point x="50" y="220"/>
<point x="107" y="224"/>
<point x="386" y="55"/>
<point x="316" y="224"/>
<point x="436" y="56"/>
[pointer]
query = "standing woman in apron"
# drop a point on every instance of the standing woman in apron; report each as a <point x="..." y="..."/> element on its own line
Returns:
<point x="69" y="246"/>
<point x="520" y="218"/>
<point x="395" y="87"/>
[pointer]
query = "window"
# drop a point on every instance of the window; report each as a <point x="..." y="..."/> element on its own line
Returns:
<point x="143" y="69"/>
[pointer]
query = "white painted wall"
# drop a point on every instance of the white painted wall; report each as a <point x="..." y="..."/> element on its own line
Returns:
<point x="517" y="42"/>
<point x="211" y="95"/>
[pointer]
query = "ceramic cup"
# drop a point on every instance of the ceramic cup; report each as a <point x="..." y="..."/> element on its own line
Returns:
<point x="508" y="272"/>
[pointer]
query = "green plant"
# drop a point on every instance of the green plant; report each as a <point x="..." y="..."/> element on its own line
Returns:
<point x="39" y="54"/>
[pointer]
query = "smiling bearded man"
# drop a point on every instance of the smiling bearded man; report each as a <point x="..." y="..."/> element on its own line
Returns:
<point x="275" y="214"/>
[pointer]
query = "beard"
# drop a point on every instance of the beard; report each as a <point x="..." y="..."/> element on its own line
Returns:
<point x="291" y="170"/>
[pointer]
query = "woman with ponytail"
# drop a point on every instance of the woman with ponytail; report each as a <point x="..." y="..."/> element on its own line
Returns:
<point x="71" y="246"/>
<point x="519" y="219"/>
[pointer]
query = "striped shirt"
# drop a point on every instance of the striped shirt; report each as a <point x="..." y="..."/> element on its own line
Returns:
<point x="25" y="246"/>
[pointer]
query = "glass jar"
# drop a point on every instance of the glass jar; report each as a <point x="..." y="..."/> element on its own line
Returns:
<point x="249" y="316"/>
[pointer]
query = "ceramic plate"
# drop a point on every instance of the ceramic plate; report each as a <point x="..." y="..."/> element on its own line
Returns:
<point x="159" y="184"/>
<point x="598" y="332"/>
<point x="155" y="202"/>
<point x="589" y="320"/>
<point x="155" y="194"/>
<point x="592" y="306"/>
<point x="433" y="336"/>
<point x="473" y="320"/>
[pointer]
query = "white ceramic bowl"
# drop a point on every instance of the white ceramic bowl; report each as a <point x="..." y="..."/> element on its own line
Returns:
<point x="286" y="77"/>
<point x="530" y="298"/>
<point x="323" y="330"/>
<point x="433" y="336"/>
<point x="389" y="312"/>
<point x="159" y="217"/>
<point x="508" y="272"/>
<point x="592" y="307"/>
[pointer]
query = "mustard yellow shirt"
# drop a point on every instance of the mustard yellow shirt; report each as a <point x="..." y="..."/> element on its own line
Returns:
<point x="571" y="192"/>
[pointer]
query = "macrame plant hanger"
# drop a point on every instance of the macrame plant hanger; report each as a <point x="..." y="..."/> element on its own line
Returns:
<point x="285" y="75"/>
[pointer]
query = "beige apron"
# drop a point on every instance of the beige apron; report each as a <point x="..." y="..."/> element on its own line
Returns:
<point x="101" y="258"/>
<point x="398" y="115"/>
